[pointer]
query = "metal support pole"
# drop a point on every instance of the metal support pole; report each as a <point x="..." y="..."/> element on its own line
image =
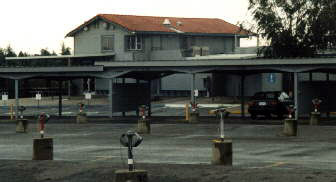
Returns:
<point x="59" y="98"/>
<point x="137" y="108"/>
<point x="89" y="84"/>
<point x="17" y="99"/>
<point x="296" y="96"/>
<point x="328" y="103"/>
<point x="242" y="96"/>
<point x="123" y="82"/>
<point x="158" y="86"/>
<point x="69" y="88"/>
<point x="149" y="99"/>
<point x="111" y="97"/>
<point x="221" y="125"/>
<point x="130" y="154"/>
<point x="192" y="89"/>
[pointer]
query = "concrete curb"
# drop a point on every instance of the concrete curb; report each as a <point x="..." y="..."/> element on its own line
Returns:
<point x="203" y="105"/>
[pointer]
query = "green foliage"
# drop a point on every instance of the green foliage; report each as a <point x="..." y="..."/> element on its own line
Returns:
<point x="9" y="52"/>
<point x="45" y="52"/>
<point x="2" y="56"/>
<point x="23" y="54"/>
<point x="65" y="50"/>
<point x="295" y="28"/>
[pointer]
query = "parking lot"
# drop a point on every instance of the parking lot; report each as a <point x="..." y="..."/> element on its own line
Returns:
<point x="261" y="147"/>
<point x="175" y="151"/>
<point x="178" y="143"/>
<point x="99" y="106"/>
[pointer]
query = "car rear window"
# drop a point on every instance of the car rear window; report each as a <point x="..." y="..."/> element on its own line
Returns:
<point x="270" y="96"/>
<point x="266" y="95"/>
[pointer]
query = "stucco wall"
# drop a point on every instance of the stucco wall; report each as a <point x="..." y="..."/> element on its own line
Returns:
<point x="217" y="45"/>
<point x="155" y="47"/>
<point x="229" y="84"/>
<point x="89" y="42"/>
<point x="182" y="82"/>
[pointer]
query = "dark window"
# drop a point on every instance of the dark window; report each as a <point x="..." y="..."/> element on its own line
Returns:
<point x="108" y="43"/>
<point x="266" y="95"/>
<point x="188" y="42"/>
<point x="134" y="42"/>
<point x="270" y="96"/>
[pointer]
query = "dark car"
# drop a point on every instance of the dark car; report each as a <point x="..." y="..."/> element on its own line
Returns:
<point x="268" y="104"/>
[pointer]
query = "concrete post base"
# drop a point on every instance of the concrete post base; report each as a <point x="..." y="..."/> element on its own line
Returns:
<point x="43" y="149"/>
<point x="314" y="118"/>
<point x="222" y="152"/>
<point x="290" y="127"/>
<point x="81" y="118"/>
<point x="144" y="126"/>
<point x="134" y="176"/>
<point x="193" y="117"/>
<point x="21" y="126"/>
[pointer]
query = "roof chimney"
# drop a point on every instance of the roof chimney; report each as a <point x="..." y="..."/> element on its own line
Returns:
<point x="166" y="22"/>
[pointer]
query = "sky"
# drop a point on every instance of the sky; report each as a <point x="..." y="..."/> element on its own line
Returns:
<point x="30" y="25"/>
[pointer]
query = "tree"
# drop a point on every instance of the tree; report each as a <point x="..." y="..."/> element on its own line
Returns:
<point x="295" y="28"/>
<point x="53" y="53"/>
<point x="45" y="52"/>
<point x="65" y="50"/>
<point x="9" y="52"/>
<point x="23" y="54"/>
<point x="2" y="56"/>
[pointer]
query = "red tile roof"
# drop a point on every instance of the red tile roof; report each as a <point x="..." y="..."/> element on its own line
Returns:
<point x="155" y="24"/>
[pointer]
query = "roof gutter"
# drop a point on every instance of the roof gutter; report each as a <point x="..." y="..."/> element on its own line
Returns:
<point x="191" y="34"/>
<point x="73" y="32"/>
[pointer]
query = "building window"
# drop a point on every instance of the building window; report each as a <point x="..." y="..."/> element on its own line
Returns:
<point x="188" y="42"/>
<point x="108" y="43"/>
<point x="134" y="42"/>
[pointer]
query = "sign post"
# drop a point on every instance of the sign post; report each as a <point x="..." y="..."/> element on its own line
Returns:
<point x="196" y="93"/>
<point x="88" y="97"/>
<point x="222" y="147"/>
<point x="130" y="140"/>
<point x="4" y="98"/>
<point x="38" y="97"/>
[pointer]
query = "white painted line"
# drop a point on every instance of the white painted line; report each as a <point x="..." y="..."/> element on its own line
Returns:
<point x="66" y="113"/>
<point x="92" y="112"/>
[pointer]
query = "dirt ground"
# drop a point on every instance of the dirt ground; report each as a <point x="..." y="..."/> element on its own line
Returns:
<point x="65" y="171"/>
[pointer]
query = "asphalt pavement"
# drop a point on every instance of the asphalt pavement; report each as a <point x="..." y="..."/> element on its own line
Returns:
<point x="253" y="145"/>
<point x="99" y="106"/>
